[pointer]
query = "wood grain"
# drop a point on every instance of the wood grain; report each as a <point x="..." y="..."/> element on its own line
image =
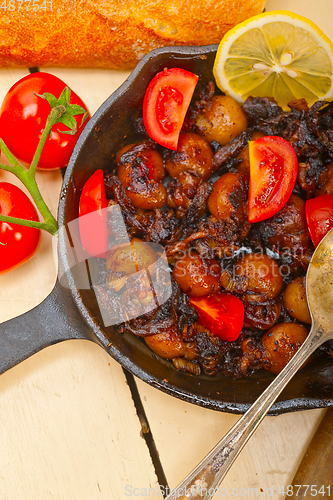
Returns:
<point x="315" y="468"/>
<point x="184" y="434"/>
<point x="68" y="428"/>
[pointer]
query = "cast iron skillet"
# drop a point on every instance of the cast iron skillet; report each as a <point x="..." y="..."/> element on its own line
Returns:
<point x="71" y="312"/>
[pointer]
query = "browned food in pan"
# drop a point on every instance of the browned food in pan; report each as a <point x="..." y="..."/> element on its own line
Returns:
<point x="194" y="202"/>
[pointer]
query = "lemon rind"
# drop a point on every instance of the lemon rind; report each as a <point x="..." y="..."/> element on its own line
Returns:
<point x="256" y="21"/>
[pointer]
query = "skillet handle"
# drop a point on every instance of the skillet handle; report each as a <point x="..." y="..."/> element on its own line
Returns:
<point x="55" y="319"/>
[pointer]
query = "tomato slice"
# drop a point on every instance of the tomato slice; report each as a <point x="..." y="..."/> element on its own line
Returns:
<point x="273" y="173"/>
<point x="222" y="313"/>
<point x="93" y="227"/>
<point x="319" y="216"/>
<point x="165" y="104"/>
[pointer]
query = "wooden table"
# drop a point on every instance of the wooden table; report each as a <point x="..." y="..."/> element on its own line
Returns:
<point x="69" y="427"/>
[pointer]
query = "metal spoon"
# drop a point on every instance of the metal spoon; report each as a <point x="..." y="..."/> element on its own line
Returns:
<point x="203" y="481"/>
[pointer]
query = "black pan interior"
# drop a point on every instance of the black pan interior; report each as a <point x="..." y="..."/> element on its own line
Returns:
<point x="110" y="128"/>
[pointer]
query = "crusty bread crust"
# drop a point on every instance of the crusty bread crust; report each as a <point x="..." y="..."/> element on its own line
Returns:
<point x="111" y="33"/>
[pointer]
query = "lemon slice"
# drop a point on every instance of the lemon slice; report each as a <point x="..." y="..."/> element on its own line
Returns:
<point x="275" y="54"/>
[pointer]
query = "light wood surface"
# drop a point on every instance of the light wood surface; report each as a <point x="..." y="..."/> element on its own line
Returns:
<point x="68" y="424"/>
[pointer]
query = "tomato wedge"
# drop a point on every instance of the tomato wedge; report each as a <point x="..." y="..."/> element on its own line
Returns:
<point x="273" y="173"/>
<point x="92" y="217"/>
<point x="319" y="216"/>
<point x="222" y="313"/>
<point x="165" y="104"/>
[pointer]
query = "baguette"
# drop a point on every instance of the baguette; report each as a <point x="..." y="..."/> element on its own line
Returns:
<point x="110" y="33"/>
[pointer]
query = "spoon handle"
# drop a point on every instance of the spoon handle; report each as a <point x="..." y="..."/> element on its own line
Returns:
<point x="203" y="481"/>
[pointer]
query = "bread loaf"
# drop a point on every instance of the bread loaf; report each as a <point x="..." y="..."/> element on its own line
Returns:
<point x="110" y="33"/>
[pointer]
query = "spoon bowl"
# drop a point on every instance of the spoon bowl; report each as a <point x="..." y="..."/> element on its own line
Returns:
<point x="319" y="290"/>
<point x="204" y="480"/>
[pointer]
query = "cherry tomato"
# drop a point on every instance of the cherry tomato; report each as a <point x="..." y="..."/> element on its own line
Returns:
<point x="23" y="115"/>
<point x="273" y="173"/>
<point x="93" y="227"/>
<point x="17" y="243"/>
<point x="165" y="104"/>
<point x="319" y="216"/>
<point x="222" y="313"/>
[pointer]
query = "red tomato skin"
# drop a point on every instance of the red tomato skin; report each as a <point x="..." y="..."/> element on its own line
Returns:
<point x="319" y="216"/>
<point x="17" y="243"/>
<point x="171" y="91"/>
<point x="93" y="230"/>
<point x="221" y="313"/>
<point x="23" y="117"/>
<point x="273" y="173"/>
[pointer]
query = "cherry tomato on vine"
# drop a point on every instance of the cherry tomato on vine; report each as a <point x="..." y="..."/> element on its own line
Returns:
<point x="17" y="243"/>
<point x="92" y="217"/>
<point x="165" y="104"/>
<point x="23" y="115"/>
<point x="222" y="313"/>
<point x="273" y="173"/>
<point x="319" y="216"/>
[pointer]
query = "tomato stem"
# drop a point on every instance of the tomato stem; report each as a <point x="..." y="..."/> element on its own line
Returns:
<point x="50" y="223"/>
<point x="27" y="177"/>
<point x="24" y="222"/>
<point x="61" y="111"/>
<point x="53" y="118"/>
